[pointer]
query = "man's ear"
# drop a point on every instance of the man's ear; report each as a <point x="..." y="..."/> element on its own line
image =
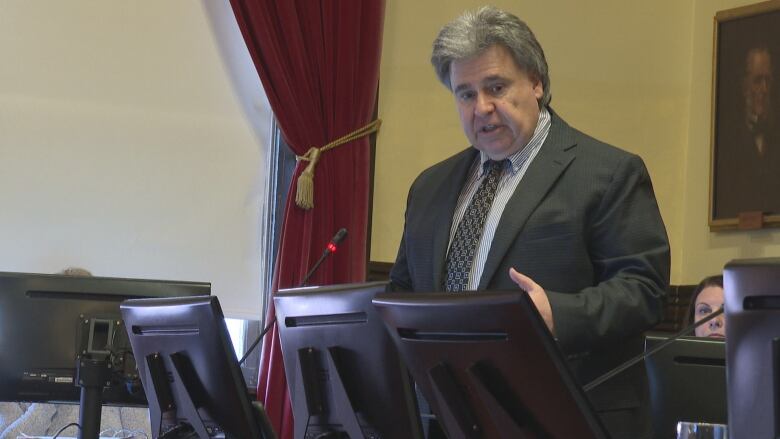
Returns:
<point x="538" y="89"/>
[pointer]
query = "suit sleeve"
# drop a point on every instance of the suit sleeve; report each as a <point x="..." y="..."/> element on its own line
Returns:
<point x="629" y="251"/>
<point x="400" y="275"/>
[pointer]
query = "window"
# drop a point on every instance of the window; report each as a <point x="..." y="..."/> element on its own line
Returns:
<point x="243" y="333"/>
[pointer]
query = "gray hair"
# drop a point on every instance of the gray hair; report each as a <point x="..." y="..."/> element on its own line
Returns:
<point x="475" y="31"/>
<point x="76" y="272"/>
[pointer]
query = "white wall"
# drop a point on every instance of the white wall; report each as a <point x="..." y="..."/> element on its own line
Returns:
<point x="125" y="145"/>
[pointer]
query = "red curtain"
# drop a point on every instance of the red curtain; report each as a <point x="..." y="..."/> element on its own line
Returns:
<point x="318" y="61"/>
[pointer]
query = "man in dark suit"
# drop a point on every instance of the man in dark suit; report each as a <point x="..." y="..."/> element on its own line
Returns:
<point x="536" y="204"/>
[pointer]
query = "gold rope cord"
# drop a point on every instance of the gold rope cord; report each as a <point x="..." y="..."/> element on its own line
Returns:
<point x="304" y="196"/>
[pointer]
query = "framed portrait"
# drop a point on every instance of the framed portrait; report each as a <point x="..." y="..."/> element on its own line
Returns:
<point x="745" y="164"/>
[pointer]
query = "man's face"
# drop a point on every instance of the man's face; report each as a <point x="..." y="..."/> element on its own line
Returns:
<point x="758" y="83"/>
<point x="497" y="101"/>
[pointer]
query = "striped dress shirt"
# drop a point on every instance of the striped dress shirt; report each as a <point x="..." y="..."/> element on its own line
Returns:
<point x="510" y="179"/>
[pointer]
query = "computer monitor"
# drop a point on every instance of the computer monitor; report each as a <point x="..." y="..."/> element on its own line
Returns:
<point x="47" y="321"/>
<point x="687" y="382"/>
<point x="189" y="370"/>
<point x="62" y="340"/>
<point x="752" y="293"/>
<point x="487" y="365"/>
<point x="342" y="368"/>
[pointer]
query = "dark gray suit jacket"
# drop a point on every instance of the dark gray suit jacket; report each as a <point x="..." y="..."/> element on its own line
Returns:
<point x="584" y="224"/>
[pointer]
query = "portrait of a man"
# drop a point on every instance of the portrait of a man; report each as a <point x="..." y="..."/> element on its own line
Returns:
<point x="746" y="150"/>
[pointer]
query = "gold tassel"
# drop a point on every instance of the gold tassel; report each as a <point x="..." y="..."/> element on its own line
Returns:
<point x="304" y="193"/>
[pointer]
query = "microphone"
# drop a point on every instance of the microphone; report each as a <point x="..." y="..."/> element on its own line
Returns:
<point x="330" y="248"/>
<point x="655" y="349"/>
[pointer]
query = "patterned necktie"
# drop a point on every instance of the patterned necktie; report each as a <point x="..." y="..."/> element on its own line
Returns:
<point x="464" y="243"/>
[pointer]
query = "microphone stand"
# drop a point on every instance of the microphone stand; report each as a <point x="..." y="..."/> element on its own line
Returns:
<point x="257" y="340"/>
<point x="655" y="349"/>
<point x="273" y="319"/>
<point x="330" y="248"/>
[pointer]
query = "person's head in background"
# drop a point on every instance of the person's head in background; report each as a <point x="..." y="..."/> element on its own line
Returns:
<point x="76" y="271"/>
<point x="757" y="85"/>
<point x="705" y="300"/>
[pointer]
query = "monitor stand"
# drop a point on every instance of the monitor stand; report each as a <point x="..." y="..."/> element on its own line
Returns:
<point x="507" y="411"/>
<point x="92" y="375"/>
<point x="309" y="379"/>
<point x="161" y="400"/>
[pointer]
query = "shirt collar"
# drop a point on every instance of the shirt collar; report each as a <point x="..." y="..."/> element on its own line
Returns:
<point x="520" y="157"/>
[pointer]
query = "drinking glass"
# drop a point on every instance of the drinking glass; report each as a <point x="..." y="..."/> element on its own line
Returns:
<point x="701" y="430"/>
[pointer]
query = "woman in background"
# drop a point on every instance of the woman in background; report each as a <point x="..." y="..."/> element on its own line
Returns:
<point x="705" y="300"/>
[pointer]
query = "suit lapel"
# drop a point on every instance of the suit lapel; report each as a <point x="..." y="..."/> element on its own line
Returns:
<point x="553" y="158"/>
<point x="446" y="199"/>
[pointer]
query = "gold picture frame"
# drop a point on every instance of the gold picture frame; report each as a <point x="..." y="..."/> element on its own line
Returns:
<point x="745" y="124"/>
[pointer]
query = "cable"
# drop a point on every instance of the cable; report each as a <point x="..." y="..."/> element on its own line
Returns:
<point x="135" y="433"/>
<point x="119" y="361"/>
<point x="657" y="348"/>
<point x="123" y="433"/>
<point x="65" y="427"/>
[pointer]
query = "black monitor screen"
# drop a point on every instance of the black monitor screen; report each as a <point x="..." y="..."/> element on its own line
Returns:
<point x="46" y="321"/>
<point x="752" y="293"/>
<point x="687" y="382"/>
<point x="189" y="370"/>
<point x="342" y="368"/>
